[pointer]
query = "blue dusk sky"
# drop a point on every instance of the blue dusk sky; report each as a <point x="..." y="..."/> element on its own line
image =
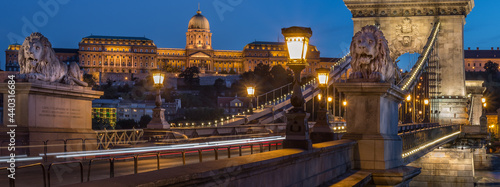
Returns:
<point x="234" y="23"/>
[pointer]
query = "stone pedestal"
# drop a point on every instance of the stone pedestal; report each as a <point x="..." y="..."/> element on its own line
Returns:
<point x="372" y="120"/>
<point x="297" y="131"/>
<point x="51" y="111"/>
<point x="158" y="121"/>
<point x="321" y="132"/>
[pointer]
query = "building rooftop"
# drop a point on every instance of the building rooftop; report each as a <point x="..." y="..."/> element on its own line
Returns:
<point x="267" y="43"/>
<point x="117" y="37"/>
<point x="65" y="50"/>
<point x="482" y="53"/>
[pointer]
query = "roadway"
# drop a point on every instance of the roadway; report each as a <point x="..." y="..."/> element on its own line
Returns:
<point x="67" y="174"/>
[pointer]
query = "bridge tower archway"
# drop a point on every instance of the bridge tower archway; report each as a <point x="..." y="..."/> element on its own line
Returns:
<point x="407" y="24"/>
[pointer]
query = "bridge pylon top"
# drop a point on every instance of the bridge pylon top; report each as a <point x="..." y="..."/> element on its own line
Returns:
<point x="408" y="8"/>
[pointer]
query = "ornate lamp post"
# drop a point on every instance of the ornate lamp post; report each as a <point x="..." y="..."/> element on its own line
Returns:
<point x="321" y="131"/>
<point x="158" y="121"/>
<point x="483" y="121"/>
<point x="408" y="114"/>
<point x="297" y="129"/>
<point x="250" y="94"/>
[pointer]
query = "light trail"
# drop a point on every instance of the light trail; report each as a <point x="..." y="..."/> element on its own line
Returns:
<point x="162" y="148"/>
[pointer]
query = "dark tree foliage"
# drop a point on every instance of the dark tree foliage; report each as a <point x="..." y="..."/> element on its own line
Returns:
<point x="100" y="123"/>
<point x="170" y="69"/>
<point x="203" y="114"/>
<point x="491" y="67"/>
<point x="126" y="124"/>
<point x="264" y="78"/>
<point x="190" y="76"/>
<point x="220" y="86"/>
<point x="143" y="122"/>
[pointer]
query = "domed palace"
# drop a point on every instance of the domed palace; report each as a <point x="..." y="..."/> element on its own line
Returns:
<point x="133" y="56"/>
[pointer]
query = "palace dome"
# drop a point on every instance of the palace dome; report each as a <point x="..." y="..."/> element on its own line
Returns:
<point x="198" y="21"/>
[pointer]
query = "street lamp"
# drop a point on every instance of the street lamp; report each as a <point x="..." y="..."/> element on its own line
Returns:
<point x="250" y="94"/>
<point x="297" y="129"/>
<point x="426" y="117"/>
<point x="158" y="120"/>
<point x="408" y="113"/>
<point x="321" y="130"/>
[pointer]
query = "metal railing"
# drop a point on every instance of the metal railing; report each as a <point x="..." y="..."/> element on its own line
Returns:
<point x="110" y="138"/>
<point x="62" y="163"/>
<point x="12" y="182"/>
<point x="419" y="141"/>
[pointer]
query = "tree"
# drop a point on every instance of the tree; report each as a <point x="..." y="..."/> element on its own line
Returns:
<point x="281" y="76"/>
<point x="170" y="69"/>
<point x="126" y="124"/>
<point x="191" y="76"/>
<point x="143" y="122"/>
<point x="219" y="84"/>
<point x="100" y="123"/>
<point x="491" y="67"/>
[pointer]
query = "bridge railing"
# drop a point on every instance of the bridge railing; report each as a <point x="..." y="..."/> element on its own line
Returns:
<point x="109" y="138"/>
<point x="421" y="140"/>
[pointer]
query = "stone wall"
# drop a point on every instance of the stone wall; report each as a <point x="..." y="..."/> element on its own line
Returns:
<point x="444" y="167"/>
<point x="286" y="167"/>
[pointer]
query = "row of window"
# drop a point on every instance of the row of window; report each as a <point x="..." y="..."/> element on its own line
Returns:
<point x="119" y="43"/>
<point x="117" y="50"/>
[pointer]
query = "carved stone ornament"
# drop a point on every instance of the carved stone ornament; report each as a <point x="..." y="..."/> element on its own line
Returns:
<point x="38" y="61"/>
<point x="371" y="61"/>
<point x="407" y="39"/>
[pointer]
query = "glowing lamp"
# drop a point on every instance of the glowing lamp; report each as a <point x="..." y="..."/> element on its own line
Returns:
<point x="484" y="105"/>
<point x="297" y="41"/>
<point x="344" y="103"/>
<point x="483" y="100"/>
<point x="322" y="74"/>
<point x="330" y="99"/>
<point x="426" y="101"/>
<point x="319" y="97"/>
<point x="408" y="98"/>
<point x="158" y="78"/>
<point x="250" y="91"/>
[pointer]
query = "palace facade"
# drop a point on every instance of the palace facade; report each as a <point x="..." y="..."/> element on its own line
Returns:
<point x="138" y="55"/>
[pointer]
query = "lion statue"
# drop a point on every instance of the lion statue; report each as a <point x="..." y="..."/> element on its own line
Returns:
<point x="370" y="59"/>
<point x="37" y="60"/>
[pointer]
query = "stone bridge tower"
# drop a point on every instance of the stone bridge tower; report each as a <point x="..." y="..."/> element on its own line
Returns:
<point x="406" y="25"/>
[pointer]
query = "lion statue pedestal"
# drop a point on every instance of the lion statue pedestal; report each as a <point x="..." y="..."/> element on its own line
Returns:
<point x="372" y="112"/>
<point x="51" y="100"/>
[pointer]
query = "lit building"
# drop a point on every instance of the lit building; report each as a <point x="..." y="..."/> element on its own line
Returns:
<point x="11" y="56"/>
<point x="475" y="59"/>
<point x="117" y="109"/>
<point x="102" y="55"/>
<point x="233" y="105"/>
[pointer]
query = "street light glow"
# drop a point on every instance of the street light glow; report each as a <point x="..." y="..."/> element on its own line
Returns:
<point x="426" y="101"/>
<point x="408" y="98"/>
<point x="158" y="77"/>
<point x="483" y="100"/>
<point x="344" y="103"/>
<point x="330" y="99"/>
<point x="250" y="91"/>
